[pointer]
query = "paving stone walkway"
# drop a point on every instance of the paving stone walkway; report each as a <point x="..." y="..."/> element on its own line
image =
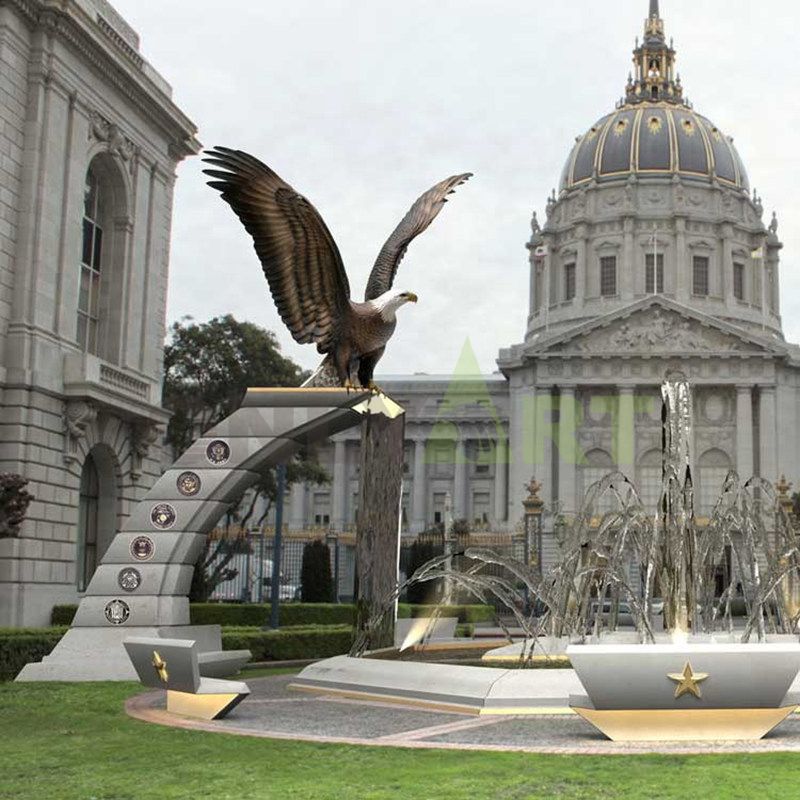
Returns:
<point x="275" y="711"/>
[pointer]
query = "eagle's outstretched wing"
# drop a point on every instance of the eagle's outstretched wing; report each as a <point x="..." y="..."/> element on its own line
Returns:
<point x="297" y="252"/>
<point x="419" y="216"/>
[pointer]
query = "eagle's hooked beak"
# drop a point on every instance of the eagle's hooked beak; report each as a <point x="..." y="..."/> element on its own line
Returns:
<point x="411" y="297"/>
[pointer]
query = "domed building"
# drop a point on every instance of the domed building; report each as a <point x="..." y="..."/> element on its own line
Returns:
<point x="653" y="256"/>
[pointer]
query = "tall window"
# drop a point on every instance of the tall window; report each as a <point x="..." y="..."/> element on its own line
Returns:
<point x="91" y="263"/>
<point x="608" y="276"/>
<point x="569" y="281"/>
<point x="738" y="281"/>
<point x="654" y="273"/>
<point x="87" y="523"/>
<point x="700" y="275"/>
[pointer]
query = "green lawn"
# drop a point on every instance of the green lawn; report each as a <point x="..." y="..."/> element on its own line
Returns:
<point x="74" y="741"/>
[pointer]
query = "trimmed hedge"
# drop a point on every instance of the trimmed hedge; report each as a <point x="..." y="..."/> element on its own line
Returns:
<point x="471" y="613"/>
<point x="289" y="644"/>
<point x="18" y="646"/>
<point x="255" y="615"/>
<point x="63" y="615"/>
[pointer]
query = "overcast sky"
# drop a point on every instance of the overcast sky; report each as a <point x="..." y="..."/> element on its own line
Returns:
<point x="363" y="104"/>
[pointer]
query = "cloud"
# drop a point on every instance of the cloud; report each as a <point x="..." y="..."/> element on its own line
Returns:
<point x="362" y="105"/>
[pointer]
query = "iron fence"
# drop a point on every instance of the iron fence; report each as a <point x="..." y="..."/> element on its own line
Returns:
<point x="251" y="564"/>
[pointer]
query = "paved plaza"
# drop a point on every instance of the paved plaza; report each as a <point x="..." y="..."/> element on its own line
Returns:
<point x="273" y="710"/>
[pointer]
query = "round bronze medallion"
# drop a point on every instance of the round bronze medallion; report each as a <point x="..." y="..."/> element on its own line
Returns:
<point x="117" y="612"/>
<point x="163" y="516"/>
<point x="189" y="484"/>
<point x="218" y="452"/>
<point x="142" y="548"/>
<point x="129" y="579"/>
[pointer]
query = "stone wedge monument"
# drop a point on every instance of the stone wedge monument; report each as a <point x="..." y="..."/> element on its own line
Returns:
<point x="142" y="584"/>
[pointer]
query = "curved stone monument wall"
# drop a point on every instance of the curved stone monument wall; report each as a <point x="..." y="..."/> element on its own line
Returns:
<point x="142" y="585"/>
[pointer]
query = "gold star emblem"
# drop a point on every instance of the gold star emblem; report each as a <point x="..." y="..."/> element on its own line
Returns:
<point x="160" y="666"/>
<point x="687" y="681"/>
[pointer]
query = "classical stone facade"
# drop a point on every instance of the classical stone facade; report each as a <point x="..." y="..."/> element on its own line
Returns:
<point x="89" y="143"/>
<point x="654" y="256"/>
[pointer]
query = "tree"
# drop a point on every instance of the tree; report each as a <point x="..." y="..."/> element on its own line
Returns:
<point x="14" y="502"/>
<point x="208" y="367"/>
<point x="316" y="581"/>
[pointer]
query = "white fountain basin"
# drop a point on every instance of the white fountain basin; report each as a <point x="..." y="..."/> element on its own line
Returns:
<point x="729" y="691"/>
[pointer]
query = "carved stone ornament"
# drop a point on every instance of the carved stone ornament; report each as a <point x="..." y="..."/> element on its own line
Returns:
<point x="218" y="452"/>
<point x="189" y="484"/>
<point x="660" y="332"/>
<point x="143" y="436"/>
<point x="101" y="130"/>
<point x="143" y="548"/>
<point x="163" y="516"/>
<point x="78" y="416"/>
<point x="129" y="579"/>
<point x="117" y="612"/>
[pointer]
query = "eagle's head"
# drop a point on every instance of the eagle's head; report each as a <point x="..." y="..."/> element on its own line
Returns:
<point x="390" y="301"/>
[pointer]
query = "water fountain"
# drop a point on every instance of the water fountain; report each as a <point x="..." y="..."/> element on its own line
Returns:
<point x="699" y="678"/>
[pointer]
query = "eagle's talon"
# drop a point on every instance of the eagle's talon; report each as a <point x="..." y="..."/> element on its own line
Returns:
<point x="374" y="388"/>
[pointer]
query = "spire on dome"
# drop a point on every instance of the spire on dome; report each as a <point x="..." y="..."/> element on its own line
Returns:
<point x="654" y="60"/>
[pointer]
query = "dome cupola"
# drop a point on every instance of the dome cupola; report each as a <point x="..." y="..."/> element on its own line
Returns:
<point x="654" y="131"/>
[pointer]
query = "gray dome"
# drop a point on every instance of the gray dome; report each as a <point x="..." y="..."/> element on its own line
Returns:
<point x="651" y="139"/>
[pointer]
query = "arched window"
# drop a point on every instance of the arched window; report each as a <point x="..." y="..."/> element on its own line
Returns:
<point x="91" y="264"/>
<point x="104" y="234"/>
<point x="713" y="467"/>
<point x="87" y="523"/>
<point x="97" y="512"/>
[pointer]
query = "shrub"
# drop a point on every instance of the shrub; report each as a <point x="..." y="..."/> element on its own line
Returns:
<point x="14" y="502"/>
<point x="18" y="646"/>
<point x="292" y="643"/>
<point x="255" y="615"/>
<point x="63" y="615"/>
<point x="316" y="581"/>
<point x="421" y="552"/>
<point x="464" y="613"/>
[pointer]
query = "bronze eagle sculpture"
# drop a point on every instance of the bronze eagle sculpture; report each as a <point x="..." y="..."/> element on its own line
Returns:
<point x="305" y="272"/>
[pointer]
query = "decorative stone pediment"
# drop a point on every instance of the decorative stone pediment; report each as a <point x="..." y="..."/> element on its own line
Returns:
<point x="657" y="327"/>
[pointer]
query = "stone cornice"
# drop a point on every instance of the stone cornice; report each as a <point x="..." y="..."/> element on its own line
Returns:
<point x="126" y="78"/>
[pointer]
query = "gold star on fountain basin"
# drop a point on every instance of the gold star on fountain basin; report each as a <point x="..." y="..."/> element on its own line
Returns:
<point x="160" y="666"/>
<point x="687" y="681"/>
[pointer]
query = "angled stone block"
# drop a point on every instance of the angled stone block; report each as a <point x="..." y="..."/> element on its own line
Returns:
<point x="139" y="580"/>
<point x="140" y="547"/>
<point x="218" y="485"/>
<point x="132" y="612"/>
<point x="175" y="515"/>
<point x="272" y="422"/>
<point x="223" y="453"/>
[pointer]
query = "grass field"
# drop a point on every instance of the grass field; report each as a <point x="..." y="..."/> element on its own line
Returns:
<point x="73" y="741"/>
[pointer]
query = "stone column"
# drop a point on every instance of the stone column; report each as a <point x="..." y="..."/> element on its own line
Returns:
<point x="724" y="251"/>
<point x="567" y="449"/>
<point x="581" y="266"/>
<point x="339" y="486"/>
<point x="683" y="276"/>
<point x="628" y="272"/>
<point x="768" y="431"/>
<point x="420" y="495"/>
<point x="500" y="479"/>
<point x="744" y="432"/>
<point x="460" y="479"/>
<point x="625" y="440"/>
<point x="297" y="507"/>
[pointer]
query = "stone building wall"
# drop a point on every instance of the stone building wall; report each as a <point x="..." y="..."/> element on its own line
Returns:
<point x="75" y="96"/>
